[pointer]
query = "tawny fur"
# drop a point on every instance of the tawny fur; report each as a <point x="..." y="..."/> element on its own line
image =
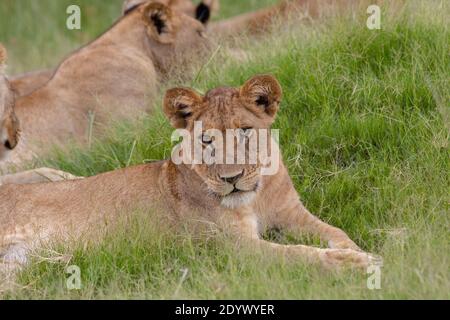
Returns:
<point x="33" y="215"/>
<point x="26" y="83"/>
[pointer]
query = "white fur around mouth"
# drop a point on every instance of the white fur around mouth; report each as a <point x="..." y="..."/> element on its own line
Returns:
<point x="239" y="199"/>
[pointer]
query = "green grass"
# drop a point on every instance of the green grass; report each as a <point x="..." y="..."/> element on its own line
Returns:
<point x="35" y="32"/>
<point x="230" y="8"/>
<point x="364" y="128"/>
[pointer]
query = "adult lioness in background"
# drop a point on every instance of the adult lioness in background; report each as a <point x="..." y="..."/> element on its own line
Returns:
<point x="26" y="83"/>
<point x="236" y="198"/>
<point x="114" y="76"/>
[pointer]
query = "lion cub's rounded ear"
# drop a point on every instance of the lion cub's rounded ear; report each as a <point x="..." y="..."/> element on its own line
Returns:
<point x="264" y="91"/>
<point x="179" y="104"/>
<point x="160" y="22"/>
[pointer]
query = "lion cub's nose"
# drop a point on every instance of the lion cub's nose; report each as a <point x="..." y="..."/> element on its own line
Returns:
<point x="232" y="178"/>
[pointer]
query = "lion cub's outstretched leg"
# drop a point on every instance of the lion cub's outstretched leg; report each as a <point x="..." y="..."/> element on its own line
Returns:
<point x="299" y="219"/>
<point x="247" y="228"/>
<point x="292" y="215"/>
<point x="36" y="176"/>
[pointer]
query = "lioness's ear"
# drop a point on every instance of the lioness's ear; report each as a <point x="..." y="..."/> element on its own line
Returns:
<point x="179" y="104"/>
<point x="202" y="13"/>
<point x="159" y="20"/>
<point x="205" y="9"/>
<point x="264" y="91"/>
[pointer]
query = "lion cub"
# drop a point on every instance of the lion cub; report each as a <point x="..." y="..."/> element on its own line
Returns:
<point x="237" y="198"/>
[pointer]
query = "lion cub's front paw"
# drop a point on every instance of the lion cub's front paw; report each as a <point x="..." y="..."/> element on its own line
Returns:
<point x="347" y="258"/>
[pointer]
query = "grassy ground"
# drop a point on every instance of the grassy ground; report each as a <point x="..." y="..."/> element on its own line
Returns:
<point x="364" y="127"/>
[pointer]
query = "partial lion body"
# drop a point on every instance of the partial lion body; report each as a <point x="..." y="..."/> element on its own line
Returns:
<point x="86" y="83"/>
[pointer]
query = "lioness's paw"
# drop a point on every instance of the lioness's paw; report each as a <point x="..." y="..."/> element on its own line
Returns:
<point x="347" y="258"/>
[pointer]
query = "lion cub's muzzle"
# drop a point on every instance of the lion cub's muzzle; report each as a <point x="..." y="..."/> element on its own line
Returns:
<point x="236" y="188"/>
<point x="237" y="182"/>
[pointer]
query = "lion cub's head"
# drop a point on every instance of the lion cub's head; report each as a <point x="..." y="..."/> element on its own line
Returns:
<point x="225" y="124"/>
<point x="9" y="125"/>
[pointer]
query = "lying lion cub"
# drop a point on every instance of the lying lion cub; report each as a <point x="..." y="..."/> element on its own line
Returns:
<point x="235" y="197"/>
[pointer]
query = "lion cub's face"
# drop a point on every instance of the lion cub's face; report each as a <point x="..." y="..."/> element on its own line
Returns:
<point x="9" y="125"/>
<point x="225" y="112"/>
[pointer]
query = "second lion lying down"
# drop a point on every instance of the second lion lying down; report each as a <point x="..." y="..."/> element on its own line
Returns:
<point x="235" y="197"/>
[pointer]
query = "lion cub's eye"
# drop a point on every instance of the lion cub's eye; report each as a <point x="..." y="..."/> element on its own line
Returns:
<point x="206" y="139"/>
